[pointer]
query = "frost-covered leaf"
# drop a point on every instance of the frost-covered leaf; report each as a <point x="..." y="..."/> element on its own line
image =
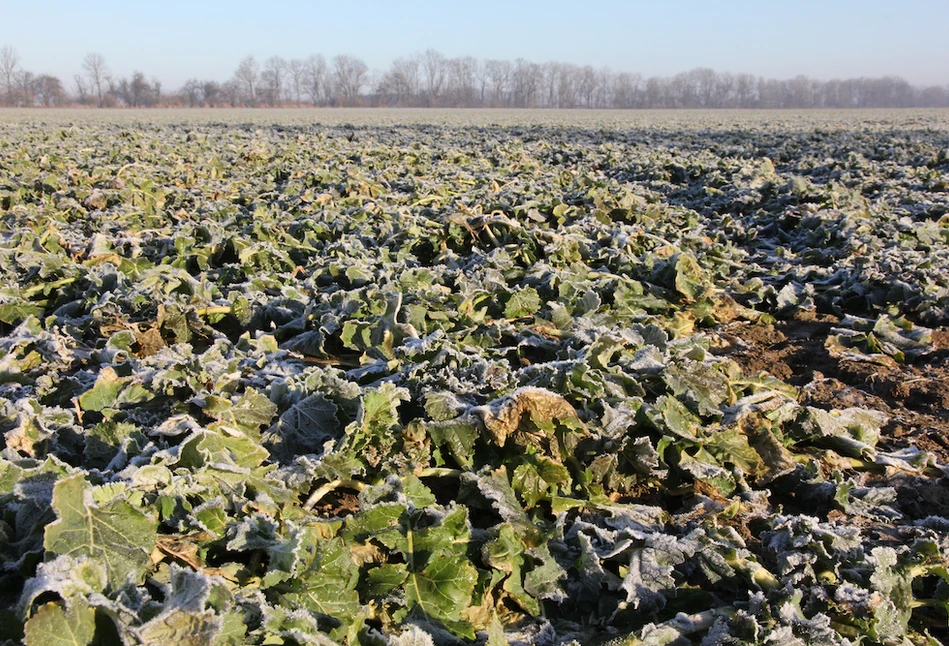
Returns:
<point x="326" y="583"/>
<point x="305" y="427"/>
<point x="543" y="581"/>
<point x="54" y="625"/>
<point x="502" y="418"/>
<point x="248" y="414"/>
<point x="104" y="392"/>
<point x="118" y="535"/>
<point x="524" y="302"/>
<point x="702" y="386"/>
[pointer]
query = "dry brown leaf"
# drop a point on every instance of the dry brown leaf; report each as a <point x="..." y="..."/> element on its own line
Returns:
<point x="502" y="417"/>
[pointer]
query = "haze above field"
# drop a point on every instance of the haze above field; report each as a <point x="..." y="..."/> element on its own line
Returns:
<point x="176" y="40"/>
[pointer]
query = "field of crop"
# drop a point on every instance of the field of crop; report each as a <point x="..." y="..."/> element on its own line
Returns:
<point x="443" y="377"/>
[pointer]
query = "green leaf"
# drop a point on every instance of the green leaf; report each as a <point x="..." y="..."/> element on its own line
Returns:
<point x="116" y="534"/>
<point x="103" y="442"/>
<point x="698" y="384"/>
<point x="378" y="522"/>
<point x="496" y="488"/>
<point x="852" y="431"/>
<point x="51" y="625"/>
<point x="443" y="589"/>
<point x="327" y="583"/>
<point x="380" y="407"/>
<point x="417" y="493"/>
<point x="496" y="636"/>
<point x="385" y="578"/>
<point x="543" y="581"/>
<point x="443" y="406"/>
<point x="104" y="392"/>
<point x="372" y="436"/>
<point x="671" y="416"/>
<point x="176" y="626"/>
<point x="537" y="477"/>
<point x="691" y="280"/>
<point x="211" y="516"/>
<point x="248" y="414"/>
<point x="732" y="446"/>
<point x="14" y="313"/>
<point x="523" y="302"/>
<point x="215" y="448"/>
<point x="458" y="435"/>
<point x="893" y="611"/>
<point x="506" y="553"/>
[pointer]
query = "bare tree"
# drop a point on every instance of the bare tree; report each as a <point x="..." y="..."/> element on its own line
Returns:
<point x="50" y="91"/>
<point x="586" y="84"/>
<point x="192" y="93"/>
<point x="703" y="81"/>
<point x="434" y="67"/>
<point x="626" y="88"/>
<point x="212" y="93"/>
<point x="247" y="78"/>
<point x="8" y="63"/>
<point x="654" y="94"/>
<point x="82" y="93"/>
<point x="724" y="94"/>
<point x="401" y="81"/>
<point x="24" y="88"/>
<point x="98" y="72"/>
<point x="462" y="72"/>
<point x="605" y="79"/>
<point x="296" y="72"/>
<point x="525" y="81"/>
<point x="350" y="75"/>
<point x="683" y="91"/>
<point x="499" y="72"/>
<point x="567" y="80"/>
<point x="273" y="79"/>
<point x="315" y="79"/>
<point x="745" y="96"/>
<point x="136" y="92"/>
<point x="548" y="88"/>
<point x="481" y="74"/>
<point x="231" y="92"/>
<point x="431" y="79"/>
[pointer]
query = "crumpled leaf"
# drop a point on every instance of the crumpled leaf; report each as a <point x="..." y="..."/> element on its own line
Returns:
<point x="700" y="385"/>
<point x="247" y="415"/>
<point x="184" y="618"/>
<point x="503" y="417"/>
<point x="852" y="431"/>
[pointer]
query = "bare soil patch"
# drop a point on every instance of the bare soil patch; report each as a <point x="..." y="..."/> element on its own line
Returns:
<point x="914" y="395"/>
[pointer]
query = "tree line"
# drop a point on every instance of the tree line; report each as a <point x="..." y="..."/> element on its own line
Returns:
<point x="430" y="79"/>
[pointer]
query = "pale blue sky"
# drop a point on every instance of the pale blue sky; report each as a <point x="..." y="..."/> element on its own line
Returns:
<point x="175" y="40"/>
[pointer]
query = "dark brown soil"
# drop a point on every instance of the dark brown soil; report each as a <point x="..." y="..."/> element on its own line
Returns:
<point x="914" y="395"/>
<point x="338" y="504"/>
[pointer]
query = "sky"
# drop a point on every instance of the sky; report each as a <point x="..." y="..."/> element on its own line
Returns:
<point x="175" y="40"/>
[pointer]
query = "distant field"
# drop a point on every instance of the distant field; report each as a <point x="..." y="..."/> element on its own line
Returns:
<point x="414" y="377"/>
<point x="485" y="117"/>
